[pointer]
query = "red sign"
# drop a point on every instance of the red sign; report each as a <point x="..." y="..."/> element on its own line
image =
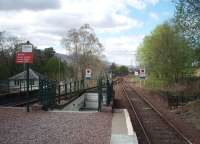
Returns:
<point x="24" y="57"/>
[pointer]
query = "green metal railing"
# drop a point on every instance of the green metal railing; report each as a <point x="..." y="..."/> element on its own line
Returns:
<point x="51" y="92"/>
<point x="109" y="90"/>
<point x="99" y="90"/>
<point x="104" y="83"/>
<point x="68" y="88"/>
<point x="47" y="93"/>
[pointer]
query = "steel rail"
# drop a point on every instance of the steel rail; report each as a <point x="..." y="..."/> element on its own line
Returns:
<point x="162" y="117"/>
<point x="137" y="116"/>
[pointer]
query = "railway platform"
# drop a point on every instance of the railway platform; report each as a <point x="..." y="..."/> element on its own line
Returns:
<point x="122" y="130"/>
<point x="63" y="127"/>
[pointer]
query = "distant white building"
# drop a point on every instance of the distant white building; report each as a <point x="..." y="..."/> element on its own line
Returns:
<point x="18" y="81"/>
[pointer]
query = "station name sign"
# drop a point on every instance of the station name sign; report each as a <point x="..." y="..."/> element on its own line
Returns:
<point x="26" y="55"/>
<point x="27" y="48"/>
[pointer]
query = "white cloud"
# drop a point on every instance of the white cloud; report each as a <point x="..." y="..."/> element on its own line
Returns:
<point x="154" y="16"/>
<point x="116" y="23"/>
<point x="154" y="2"/>
<point x="141" y="4"/>
<point x="45" y="27"/>
<point x="6" y="5"/>
<point x="104" y="15"/>
<point x="122" y="49"/>
<point x="138" y="4"/>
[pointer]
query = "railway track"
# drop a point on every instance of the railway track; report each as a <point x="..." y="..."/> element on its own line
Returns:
<point x="154" y="127"/>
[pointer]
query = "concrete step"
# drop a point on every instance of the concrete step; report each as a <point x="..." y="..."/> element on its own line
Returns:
<point x="91" y="97"/>
<point x="88" y="109"/>
<point x="89" y="104"/>
<point x="36" y="106"/>
<point x="106" y="109"/>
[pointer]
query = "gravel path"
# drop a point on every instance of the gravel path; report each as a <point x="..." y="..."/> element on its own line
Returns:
<point x="38" y="127"/>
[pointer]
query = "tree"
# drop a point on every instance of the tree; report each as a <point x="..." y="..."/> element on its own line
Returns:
<point x="123" y="70"/>
<point x="9" y="45"/>
<point x="49" y="52"/>
<point x="119" y="69"/>
<point x="164" y="53"/>
<point x="83" y="46"/>
<point x="71" y="41"/>
<point x="44" y="61"/>
<point x="188" y="22"/>
<point x="55" y="69"/>
<point x="188" y="19"/>
<point x="113" y="68"/>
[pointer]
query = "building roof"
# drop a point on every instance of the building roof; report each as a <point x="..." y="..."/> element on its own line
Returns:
<point x="32" y="75"/>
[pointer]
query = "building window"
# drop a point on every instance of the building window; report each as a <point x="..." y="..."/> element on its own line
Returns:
<point x="31" y="82"/>
<point x="16" y="82"/>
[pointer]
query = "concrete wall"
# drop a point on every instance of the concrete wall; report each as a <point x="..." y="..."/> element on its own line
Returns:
<point x="91" y="100"/>
<point x="87" y="100"/>
<point x="76" y="104"/>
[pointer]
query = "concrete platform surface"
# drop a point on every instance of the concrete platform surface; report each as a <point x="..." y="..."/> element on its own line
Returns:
<point x="122" y="130"/>
<point x="39" y="127"/>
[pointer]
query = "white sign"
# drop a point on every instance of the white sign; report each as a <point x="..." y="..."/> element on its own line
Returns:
<point x="88" y="73"/>
<point x="136" y="73"/>
<point x="142" y="73"/>
<point x="26" y="48"/>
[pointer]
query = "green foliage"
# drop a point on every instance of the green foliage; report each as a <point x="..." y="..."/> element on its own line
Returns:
<point x="188" y="23"/>
<point x="113" y="68"/>
<point x="54" y="68"/>
<point x="4" y="71"/>
<point x="44" y="62"/>
<point x="154" y="83"/>
<point x="118" y="69"/>
<point x="164" y="53"/>
<point x="188" y="20"/>
<point x="41" y="58"/>
<point x="123" y="70"/>
<point x="49" y="52"/>
<point x="8" y="49"/>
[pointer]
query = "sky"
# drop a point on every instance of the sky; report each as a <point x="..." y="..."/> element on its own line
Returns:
<point x="120" y="25"/>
